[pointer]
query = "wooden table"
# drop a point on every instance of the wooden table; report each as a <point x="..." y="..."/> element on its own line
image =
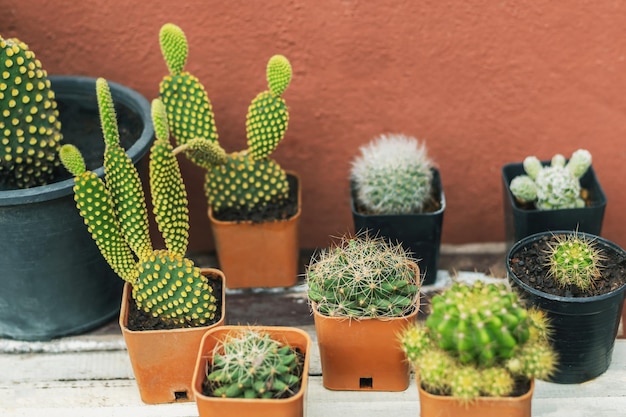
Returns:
<point x="91" y="376"/>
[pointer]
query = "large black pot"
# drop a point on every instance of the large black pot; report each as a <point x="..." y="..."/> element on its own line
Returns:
<point x="584" y="328"/>
<point x="53" y="279"/>
<point x="419" y="233"/>
<point x="521" y="222"/>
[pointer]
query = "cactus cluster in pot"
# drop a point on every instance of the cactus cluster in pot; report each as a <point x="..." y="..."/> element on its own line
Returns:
<point x="248" y="179"/>
<point x="363" y="276"/>
<point x="29" y="119"/>
<point x="392" y="175"/>
<point x="250" y="364"/>
<point x="477" y="341"/>
<point x="556" y="186"/>
<point x="164" y="283"/>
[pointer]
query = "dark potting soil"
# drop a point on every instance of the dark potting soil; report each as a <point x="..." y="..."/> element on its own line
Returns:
<point x="273" y="211"/>
<point x="208" y="387"/>
<point x="139" y="320"/>
<point x="530" y="265"/>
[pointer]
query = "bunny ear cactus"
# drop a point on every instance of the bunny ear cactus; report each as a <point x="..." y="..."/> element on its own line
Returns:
<point x="29" y="118"/>
<point x="553" y="187"/>
<point x="477" y="341"/>
<point x="247" y="179"/>
<point x="165" y="284"/>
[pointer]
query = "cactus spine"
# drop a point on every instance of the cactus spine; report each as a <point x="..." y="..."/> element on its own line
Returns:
<point x="392" y="175"/>
<point x="553" y="187"/>
<point x="165" y="284"/>
<point x="250" y="364"/>
<point x="574" y="260"/>
<point x="247" y="179"/>
<point x="29" y="118"/>
<point x="477" y="341"/>
<point x="363" y="277"/>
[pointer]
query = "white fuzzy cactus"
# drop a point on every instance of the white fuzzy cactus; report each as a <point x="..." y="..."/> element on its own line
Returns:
<point x="392" y="175"/>
<point x="552" y="187"/>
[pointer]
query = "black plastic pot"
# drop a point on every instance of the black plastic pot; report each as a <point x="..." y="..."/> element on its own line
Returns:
<point x="519" y="222"/>
<point x="420" y="233"/>
<point x="54" y="280"/>
<point x="584" y="328"/>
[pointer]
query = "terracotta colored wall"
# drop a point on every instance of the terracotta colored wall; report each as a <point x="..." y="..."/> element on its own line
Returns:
<point x="483" y="82"/>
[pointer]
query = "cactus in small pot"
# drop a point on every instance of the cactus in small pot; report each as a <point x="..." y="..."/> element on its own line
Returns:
<point x="164" y="283"/>
<point x="392" y="175"/>
<point x="363" y="277"/>
<point x="477" y="341"/>
<point x="246" y="180"/>
<point x="29" y="119"/>
<point x="250" y="364"/>
<point x="556" y="186"/>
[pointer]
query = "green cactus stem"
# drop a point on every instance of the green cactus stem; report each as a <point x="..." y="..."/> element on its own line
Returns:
<point x="250" y="364"/>
<point x="29" y="118"/>
<point x="574" y="260"/>
<point x="165" y="284"/>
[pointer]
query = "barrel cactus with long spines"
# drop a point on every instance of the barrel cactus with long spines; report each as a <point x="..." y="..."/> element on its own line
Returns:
<point x="556" y="186"/>
<point x="247" y="179"/>
<point x="164" y="283"/>
<point x="392" y="175"/>
<point x="250" y="364"/>
<point x="29" y="119"/>
<point x="477" y="341"/>
<point x="363" y="277"/>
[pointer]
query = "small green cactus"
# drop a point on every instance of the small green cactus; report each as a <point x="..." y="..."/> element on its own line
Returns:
<point x="392" y="175"/>
<point x="165" y="284"/>
<point x="552" y="187"/>
<point x="250" y="364"/>
<point x="29" y="119"/>
<point x="574" y="260"/>
<point x="248" y="179"/>
<point x="363" y="277"/>
<point x="477" y="341"/>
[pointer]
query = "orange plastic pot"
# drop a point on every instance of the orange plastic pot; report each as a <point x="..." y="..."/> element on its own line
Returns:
<point x="363" y="354"/>
<point x="258" y="254"/>
<point x="446" y="406"/>
<point x="238" y="407"/>
<point x="163" y="360"/>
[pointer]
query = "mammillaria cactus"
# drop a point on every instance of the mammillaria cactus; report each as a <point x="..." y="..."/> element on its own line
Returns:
<point x="248" y="179"/>
<point x="165" y="283"/>
<point x="552" y="187"/>
<point x="392" y="175"/>
<point x="29" y="118"/>
<point x="477" y="341"/>
<point x="363" y="277"/>
<point x="574" y="260"/>
<point x="250" y="364"/>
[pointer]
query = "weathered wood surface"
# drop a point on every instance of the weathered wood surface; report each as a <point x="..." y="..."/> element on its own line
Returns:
<point x="85" y="380"/>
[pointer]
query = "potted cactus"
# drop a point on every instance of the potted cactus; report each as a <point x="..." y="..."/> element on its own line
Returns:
<point x="579" y="280"/>
<point x="396" y="192"/>
<point x="252" y="370"/>
<point x="250" y="196"/>
<point x="478" y="353"/>
<point x="52" y="297"/>
<point x="363" y="291"/>
<point x="552" y="195"/>
<point x="163" y="283"/>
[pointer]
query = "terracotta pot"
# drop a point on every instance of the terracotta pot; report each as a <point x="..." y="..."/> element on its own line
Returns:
<point x="446" y="406"/>
<point x="163" y="360"/>
<point x="258" y="254"/>
<point x="363" y="354"/>
<point x="224" y="407"/>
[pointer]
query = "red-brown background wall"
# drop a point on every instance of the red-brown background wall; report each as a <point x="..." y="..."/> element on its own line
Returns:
<point x="484" y="83"/>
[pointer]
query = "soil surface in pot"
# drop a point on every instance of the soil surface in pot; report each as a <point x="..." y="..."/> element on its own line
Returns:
<point x="281" y="210"/>
<point x="522" y="386"/>
<point x="530" y="265"/>
<point x="139" y="320"/>
<point x="208" y="388"/>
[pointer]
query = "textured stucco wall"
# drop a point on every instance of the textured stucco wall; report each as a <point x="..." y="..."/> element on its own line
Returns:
<point x="483" y="82"/>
